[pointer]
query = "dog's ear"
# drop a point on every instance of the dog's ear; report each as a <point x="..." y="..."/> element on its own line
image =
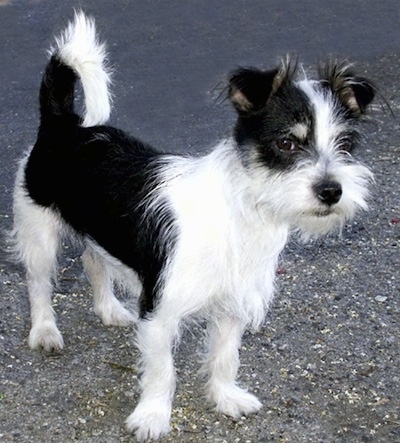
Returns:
<point x="354" y="92"/>
<point x="250" y="89"/>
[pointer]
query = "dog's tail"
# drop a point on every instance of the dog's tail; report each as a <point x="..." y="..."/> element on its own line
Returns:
<point x="77" y="55"/>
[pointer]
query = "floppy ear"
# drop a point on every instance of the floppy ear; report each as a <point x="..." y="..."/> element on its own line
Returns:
<point x="250" y="88"/>
<point x="364" y="92"/>
<point x="354" y="92"/>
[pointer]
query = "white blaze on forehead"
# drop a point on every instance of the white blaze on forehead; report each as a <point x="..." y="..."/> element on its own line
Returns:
<point x="328" y="123"/>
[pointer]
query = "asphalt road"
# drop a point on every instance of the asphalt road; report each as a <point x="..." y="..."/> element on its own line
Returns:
<point x="326" y="363"/>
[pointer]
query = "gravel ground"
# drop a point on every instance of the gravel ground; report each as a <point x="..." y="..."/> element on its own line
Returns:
<point x="325" y="364"/>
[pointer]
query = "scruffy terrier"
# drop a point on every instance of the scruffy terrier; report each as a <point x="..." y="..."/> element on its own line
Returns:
<point x="190" y="237"/>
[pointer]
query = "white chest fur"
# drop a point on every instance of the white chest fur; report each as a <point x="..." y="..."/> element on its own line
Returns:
<point x="227" y="251"/>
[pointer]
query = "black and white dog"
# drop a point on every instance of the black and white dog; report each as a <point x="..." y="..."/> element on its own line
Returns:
<point x="191" y="237"/>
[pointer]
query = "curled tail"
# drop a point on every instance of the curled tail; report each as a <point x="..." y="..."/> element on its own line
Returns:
<point x="77" y="55"/>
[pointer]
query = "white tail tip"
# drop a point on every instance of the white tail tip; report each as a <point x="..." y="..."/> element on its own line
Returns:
<point x="79" y="48"/>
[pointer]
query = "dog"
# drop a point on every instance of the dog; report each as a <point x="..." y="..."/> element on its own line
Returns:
<point x="190" y="237"/>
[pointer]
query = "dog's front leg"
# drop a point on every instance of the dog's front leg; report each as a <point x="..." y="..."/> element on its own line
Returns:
<point x="222" y="365"/>
<point x="150" y="419"/>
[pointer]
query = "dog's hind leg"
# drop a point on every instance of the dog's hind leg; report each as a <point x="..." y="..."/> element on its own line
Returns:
<point x="221" y="366"/>
<point x="37" y="236"/>
<point x="106" y="305"/>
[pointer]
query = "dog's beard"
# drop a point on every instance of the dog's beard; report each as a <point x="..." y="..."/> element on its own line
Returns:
<point x="289" y="198"/>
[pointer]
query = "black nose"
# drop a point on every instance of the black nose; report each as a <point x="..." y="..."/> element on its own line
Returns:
<point x="328" y="192"/>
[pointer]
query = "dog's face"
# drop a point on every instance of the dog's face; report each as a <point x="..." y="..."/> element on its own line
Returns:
<point x="296" y="140"/>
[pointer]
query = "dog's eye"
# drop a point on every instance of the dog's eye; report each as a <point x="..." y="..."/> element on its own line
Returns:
<point x="345" y="145"/>
<point x="286" y="145"/>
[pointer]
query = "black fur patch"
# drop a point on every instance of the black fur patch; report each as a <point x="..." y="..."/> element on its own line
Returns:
<point x="256" y="134"/>
<point x="98" y="178"/>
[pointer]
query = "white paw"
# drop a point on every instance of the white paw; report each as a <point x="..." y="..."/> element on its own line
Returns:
<point x="114" y="313"/>
<point x="234" y="401"/>
<point x="46" y="336"/>
<point x="150" y="420"/>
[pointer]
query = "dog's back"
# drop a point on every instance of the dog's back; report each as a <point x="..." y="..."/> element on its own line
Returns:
<point x="90" y="177"/>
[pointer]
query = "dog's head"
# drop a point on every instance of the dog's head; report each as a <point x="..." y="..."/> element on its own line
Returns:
<point x="296" y="139"/>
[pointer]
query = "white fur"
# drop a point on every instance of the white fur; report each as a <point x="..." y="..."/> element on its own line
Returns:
<point x="328" y="125"/>
<point x="227" y="249"/>
<point x="106" y="305"/>
<point x="305" y="213"/>
<point x="223" y="269"/>
<point x="36" y="236"/>
<point x="79" y="48"/>
<point x="230" y="224"/>
<point x="232" y="227"/>
<point x="155" y="339"/>
<point x="222" y="365"/>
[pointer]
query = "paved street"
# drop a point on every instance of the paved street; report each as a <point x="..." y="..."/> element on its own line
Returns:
<point x="326" y="363"/>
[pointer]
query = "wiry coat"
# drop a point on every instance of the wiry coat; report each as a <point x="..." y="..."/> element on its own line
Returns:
<point x="190" y="236"/>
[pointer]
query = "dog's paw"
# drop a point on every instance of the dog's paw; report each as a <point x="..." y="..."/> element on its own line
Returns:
<point x="46" y="336"/>
<point x="114" y="313"/>
<point x="234" y="401"/>
<point x="150" y="420"/>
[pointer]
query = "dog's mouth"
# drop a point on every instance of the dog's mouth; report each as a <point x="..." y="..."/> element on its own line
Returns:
<point x="321" y="213"/>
